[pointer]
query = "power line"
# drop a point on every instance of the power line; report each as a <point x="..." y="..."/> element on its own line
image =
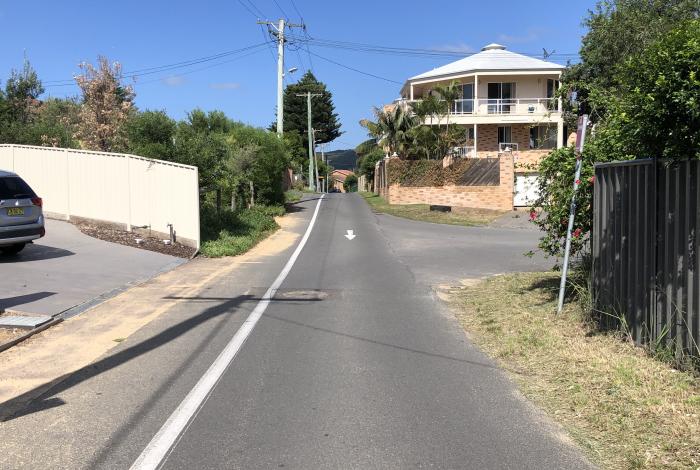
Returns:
<point x="247" y="8"/>
<point x="203" y="68"/>
<point x="294" y="5"/>
<point x="363" y="47"/>
<point x="165" y="68"/>
<point x="354" y="69"/>
<point x="281" y="9"/>
<point x="258" y="10"/>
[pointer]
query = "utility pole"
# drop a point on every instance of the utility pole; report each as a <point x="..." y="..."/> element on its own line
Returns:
<point x="310" y="137"/>
<point x="323" y="159"/>
<point x="278" y="31"/>
<point x="318" y="181"/>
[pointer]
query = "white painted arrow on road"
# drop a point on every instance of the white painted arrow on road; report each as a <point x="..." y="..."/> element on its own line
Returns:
<point x="350" y="235"/>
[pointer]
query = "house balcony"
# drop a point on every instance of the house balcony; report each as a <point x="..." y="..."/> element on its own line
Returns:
<point x="486" y="110"/>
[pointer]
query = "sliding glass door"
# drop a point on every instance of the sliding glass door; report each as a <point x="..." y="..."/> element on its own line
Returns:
<point x="501" y="98"/>
<point x="465" y="105"/>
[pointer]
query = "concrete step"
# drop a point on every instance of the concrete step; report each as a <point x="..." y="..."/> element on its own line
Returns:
<point x="17" y="321"/>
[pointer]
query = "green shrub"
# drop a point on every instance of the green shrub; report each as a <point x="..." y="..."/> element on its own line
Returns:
<point x="230" y="233"/>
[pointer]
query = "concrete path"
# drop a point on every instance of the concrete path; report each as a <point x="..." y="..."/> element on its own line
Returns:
<point x="67" y="268"/>
<point x="354" y="364"/>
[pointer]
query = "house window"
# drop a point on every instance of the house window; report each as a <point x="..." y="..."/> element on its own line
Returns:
<point x="470" y="133"/>
<point x="504" y="135"/>
<point x="552" y="86"/>
<point x="465" y="105"/>
<point x="543" y="137"/>
<point x="501" y="97"/>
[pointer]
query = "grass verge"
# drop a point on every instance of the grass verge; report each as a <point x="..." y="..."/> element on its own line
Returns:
<point x="292" y="196"/>
<point x="422" y="212"/>
<point x="623" y="407"/>
<point x="230" y="233"/>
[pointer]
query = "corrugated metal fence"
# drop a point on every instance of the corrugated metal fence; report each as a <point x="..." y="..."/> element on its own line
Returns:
<point x="646" y="269"/>
<point x="126" y="190"/>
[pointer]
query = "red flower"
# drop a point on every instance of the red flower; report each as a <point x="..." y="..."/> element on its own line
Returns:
<point x="591" y="179"/>
<point x="577" y="233"/>
<point x="533" y="215"/>
<point x="578" y="182"/>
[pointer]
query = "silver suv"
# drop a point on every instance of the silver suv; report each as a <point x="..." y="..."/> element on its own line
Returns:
<point x="21" y="216"/>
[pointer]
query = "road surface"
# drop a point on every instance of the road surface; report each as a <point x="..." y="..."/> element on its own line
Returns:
<point x="354" y="364"/>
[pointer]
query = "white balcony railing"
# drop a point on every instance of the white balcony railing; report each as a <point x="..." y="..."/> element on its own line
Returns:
<point x="464" y="152"/>
<point x="485" y="106"/>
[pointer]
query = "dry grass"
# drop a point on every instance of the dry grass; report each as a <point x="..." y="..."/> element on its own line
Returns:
<point x="422" y="212"/>
<point x="624" y="408"/>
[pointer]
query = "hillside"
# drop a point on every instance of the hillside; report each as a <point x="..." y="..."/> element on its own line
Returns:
<point x="342" y="159"/>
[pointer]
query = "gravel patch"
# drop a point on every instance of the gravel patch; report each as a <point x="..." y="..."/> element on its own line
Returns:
<point x="122" y="237"/>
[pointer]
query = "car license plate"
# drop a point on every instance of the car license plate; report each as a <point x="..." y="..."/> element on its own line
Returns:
<point x="15" y="211"/>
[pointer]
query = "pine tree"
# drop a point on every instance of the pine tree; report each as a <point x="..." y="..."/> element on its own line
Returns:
<point x="323" y="117"/>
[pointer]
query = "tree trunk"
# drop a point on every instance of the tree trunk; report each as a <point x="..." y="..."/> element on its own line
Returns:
<point x="252" y="194"/>
<point x="218" y="201"/>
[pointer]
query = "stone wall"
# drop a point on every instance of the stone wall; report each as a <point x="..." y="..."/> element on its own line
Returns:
<point x="481" y="197"/>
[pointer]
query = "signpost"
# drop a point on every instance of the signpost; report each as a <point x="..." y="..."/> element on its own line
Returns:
<point x="580" y="139"/>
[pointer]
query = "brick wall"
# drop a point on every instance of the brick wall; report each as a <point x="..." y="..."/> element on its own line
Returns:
<point x="481" y="197"/>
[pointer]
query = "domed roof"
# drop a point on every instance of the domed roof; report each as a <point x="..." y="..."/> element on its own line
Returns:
<point x="493" y="57"/>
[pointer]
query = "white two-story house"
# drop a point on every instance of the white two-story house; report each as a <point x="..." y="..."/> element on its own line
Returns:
<point x="507" y="104"/>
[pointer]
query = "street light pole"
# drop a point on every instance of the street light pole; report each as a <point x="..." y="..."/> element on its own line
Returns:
<point x="279" y="32"/>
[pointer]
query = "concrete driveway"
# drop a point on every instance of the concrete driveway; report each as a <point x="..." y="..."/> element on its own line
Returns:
<point x="69" y="270"/>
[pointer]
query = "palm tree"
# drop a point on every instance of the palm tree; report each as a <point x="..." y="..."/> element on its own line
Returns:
<point x="391" y="128"/>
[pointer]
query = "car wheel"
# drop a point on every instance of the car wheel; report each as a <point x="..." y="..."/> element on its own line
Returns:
<point x="12" y="249"/>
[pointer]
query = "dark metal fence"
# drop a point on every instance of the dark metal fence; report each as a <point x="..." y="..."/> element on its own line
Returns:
<point x="646" y="215"/>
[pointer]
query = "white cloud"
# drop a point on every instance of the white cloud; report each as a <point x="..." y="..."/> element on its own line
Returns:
<point x="457" y="47"/>
<point x="225" y="86"/>
<point x="174" y="80"/>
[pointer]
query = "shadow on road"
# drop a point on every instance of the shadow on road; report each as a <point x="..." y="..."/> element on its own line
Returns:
<point x="34" y="252"/>
<point x="9" y="302"/>
<point x="380" y="343"/>
<point x="44" y="396"/>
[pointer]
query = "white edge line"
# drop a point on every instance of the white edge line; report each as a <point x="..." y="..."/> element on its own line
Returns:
<point x="160" y="445"/>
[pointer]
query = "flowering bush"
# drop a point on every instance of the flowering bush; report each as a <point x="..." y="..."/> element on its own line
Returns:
<point x="557" y="171"/>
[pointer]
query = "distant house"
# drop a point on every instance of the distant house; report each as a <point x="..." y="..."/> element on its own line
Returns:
<point x="338" y="178"/>
<point x="507" y="104"/>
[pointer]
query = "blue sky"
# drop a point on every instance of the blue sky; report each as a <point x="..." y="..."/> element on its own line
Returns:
<point x="57" y="36"/>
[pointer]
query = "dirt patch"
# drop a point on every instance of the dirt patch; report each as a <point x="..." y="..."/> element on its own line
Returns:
<point x="122" y="237"/>
<point x="8" y="334"/>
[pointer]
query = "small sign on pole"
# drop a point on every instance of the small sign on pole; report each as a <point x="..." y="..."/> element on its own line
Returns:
<point x="578" y="149"/>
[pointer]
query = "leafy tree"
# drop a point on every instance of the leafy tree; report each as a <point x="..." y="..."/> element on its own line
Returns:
<point x="367" y="162"/>
<point x="151" y="134"/>
<point x="106" y="106"/>
<point x="618" y="30"/>
<point x="654" y="113"/>
<point x="55" y="124"/>
<point x="298" y="154"/>
<point x="323" y="117"/>
<point x="22" y="92"/>
<point x="19" y="105"/>
<point x="391" y="130"/>
<point x="350" y="184"/>
<point x="657" y="113"/>
<point x="265" y="160"/>
<point x="200" y="140"/>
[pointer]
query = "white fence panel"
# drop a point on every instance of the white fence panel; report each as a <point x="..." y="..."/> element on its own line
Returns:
<point x="122" y="189"/>
<point x="6" y="160"/>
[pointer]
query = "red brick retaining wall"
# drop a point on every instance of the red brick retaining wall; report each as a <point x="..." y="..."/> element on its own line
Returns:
<point x="481" y="197"/>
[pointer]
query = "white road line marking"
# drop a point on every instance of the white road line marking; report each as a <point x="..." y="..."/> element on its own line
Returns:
<point x="159" y="447"/>
<point x="350" y="235"/>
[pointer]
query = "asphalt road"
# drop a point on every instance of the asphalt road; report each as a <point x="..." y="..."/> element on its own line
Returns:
<point x="67" y="268"/>
<point x="354" y="364"/>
